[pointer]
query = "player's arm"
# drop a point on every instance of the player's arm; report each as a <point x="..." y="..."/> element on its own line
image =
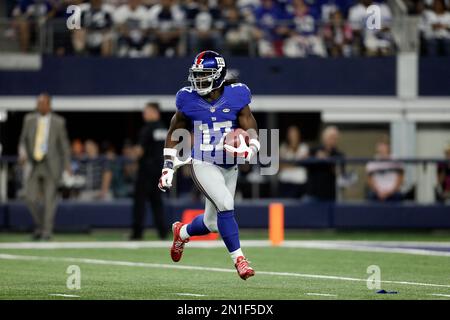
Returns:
<point x="247" y="121"/>
<point x="171" y="162"/>
<point x="178" y="121"/>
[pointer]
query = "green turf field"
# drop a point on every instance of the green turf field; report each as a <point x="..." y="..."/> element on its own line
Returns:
<point x="290" y="234"/>
<point x="281" y="273"/>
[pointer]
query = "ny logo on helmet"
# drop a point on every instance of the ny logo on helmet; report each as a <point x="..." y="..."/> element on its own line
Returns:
<point x="220" y="61"/>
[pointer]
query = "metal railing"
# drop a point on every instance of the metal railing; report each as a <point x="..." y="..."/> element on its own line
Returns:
<point x="350" y="177"/>
<point x="10" y="36"/>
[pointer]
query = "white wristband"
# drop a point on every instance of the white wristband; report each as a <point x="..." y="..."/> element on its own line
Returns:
<point x="171" y="152"/>
<point x="255" y="143"/>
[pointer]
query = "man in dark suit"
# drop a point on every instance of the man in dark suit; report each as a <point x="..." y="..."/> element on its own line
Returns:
<point x="46" y="146"/>
<point x="151" y="143"/>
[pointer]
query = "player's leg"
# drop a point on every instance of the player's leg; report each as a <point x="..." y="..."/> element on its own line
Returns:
<point x="230" y="175"/>
<point x="206" y="222"/>
<point x="211" y="182"/>
<point x="241" y="264"/>
<point x="218" y="185"/>
<point x="202" y="224"/>
<point x="182" y="232"/>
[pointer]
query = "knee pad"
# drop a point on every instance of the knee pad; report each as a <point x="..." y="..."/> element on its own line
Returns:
<point x="211" y="223"/>
<point x="226" y="203"/>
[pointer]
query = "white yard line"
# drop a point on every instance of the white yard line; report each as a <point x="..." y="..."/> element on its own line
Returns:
<point x="191" y="294"/>
<point x="321" y="294"/>
<point x="440" y="295"/>
<point x="361" y="246"/>
<point x="184" y="267"/>
<point x="110" y="245"/>
<point x="63" y="295"/>
<point x="388" y="243"/>
<point x="367" y="247"/>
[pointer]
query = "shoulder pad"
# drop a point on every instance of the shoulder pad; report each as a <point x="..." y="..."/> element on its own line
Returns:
<point x="182" y="95"/>
<point x="242" y="92"/>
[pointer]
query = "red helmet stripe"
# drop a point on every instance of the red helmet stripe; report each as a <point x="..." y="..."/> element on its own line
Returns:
<point x="200" y="57"/>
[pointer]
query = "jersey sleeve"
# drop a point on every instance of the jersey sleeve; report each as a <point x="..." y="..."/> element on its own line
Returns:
<point x="243" y="94"/>
<point x="181" y="98"/>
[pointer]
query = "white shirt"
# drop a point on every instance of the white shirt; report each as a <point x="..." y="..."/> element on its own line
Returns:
<point x="429" y="18"/>
<point x="295" y="175"/>
<point x="384" y="174"/>
<point x="124" y="14"/>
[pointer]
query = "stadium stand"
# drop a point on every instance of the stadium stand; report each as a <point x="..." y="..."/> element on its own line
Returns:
<point x="269" y="28"/>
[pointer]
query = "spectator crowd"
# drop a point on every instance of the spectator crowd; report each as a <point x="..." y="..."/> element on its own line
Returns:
<point x="268" y="28"/>
<point x="101" y="173"/>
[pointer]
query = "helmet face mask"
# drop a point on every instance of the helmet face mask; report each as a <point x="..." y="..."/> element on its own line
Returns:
<point x="202" y="80"/>
<point x="207" y="72"/>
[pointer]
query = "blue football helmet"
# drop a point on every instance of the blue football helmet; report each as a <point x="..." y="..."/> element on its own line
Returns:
<point x="207" y="72"/>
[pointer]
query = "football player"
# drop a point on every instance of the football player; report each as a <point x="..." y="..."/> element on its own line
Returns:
<point x="212" y="107"/>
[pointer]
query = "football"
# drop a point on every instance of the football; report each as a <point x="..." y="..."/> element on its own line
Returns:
<point x="232" y="139"/>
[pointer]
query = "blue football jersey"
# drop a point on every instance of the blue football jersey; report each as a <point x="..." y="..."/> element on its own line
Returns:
<point x="211" y="121"/>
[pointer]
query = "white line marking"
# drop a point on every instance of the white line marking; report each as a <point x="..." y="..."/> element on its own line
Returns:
<point x="184" y="267"/>
<point x="362" y="246"/>
<point x="440" y="295"/>
<point x="191" y="294"/>
<point x="112" y="245"/>
<point x="321" y="294"/>
<point x="63" y="295"/>
<point x="331" y="245"/>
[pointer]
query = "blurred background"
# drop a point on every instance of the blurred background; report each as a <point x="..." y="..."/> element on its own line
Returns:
<point x="344" y="97"/>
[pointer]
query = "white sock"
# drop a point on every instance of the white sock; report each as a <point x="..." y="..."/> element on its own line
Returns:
<point x="235" y="254"/>
<point x="183" y="232"/>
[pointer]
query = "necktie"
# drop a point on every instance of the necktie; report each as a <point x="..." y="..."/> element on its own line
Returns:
<point x="39" y="143"/>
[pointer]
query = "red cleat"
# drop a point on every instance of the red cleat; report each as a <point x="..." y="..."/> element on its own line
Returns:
<point x="243" y="269"/>
<point x="178" y="244"/>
